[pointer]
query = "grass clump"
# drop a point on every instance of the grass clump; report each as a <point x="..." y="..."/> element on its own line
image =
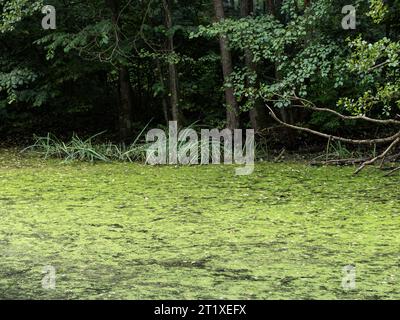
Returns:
<point x="78" y="149"/>
<point x="87" y="150"/>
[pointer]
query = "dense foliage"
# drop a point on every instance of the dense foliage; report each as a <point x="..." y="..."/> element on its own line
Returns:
<point x="117" y="64"/>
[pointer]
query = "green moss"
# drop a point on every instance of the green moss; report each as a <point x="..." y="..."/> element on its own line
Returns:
<point x="122" y="231"/>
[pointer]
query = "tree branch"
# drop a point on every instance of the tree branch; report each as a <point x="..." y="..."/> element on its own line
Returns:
<point x="381" y="156"/>
<point x="309" y="105"/>
<point x="327" y="136"/>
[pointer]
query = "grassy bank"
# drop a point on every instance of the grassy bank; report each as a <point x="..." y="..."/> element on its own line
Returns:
<point x="133" y="231"/>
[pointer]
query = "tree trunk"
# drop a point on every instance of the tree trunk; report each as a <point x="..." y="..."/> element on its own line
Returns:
<point x="125" y="109"/>
<point x="232" y="111"/>
<point x="270" y="7"/>
<point x="172" y="72"/>
<point x="126" y="104"/>
<point x="163" y="99"/>
<point x="258" y="115"/>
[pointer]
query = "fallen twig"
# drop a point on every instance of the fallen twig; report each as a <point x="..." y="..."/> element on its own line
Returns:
<point x="338" y="162"/>
<point x="392" y="171"/>
<point x="280" y="155"/>
<point x="381" y="156"/>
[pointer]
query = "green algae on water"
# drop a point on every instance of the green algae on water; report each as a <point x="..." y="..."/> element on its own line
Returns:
<point x="129" y="231"/>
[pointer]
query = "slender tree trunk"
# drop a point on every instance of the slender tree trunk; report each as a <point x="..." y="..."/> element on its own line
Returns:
<point x="163" y="99"/>
<point x="270" y="7"/>
<point x="232" y="112"/>
<point x="172" y="72"/>
<point x="125" y="93"/>
<point x="126" y="104"/>
<point x="258" y="115"/>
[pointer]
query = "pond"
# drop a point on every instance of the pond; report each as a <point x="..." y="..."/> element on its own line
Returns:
<point x="129" y="231"/>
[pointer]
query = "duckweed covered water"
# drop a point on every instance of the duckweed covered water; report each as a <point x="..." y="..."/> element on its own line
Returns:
<point x="129" y="231"/>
